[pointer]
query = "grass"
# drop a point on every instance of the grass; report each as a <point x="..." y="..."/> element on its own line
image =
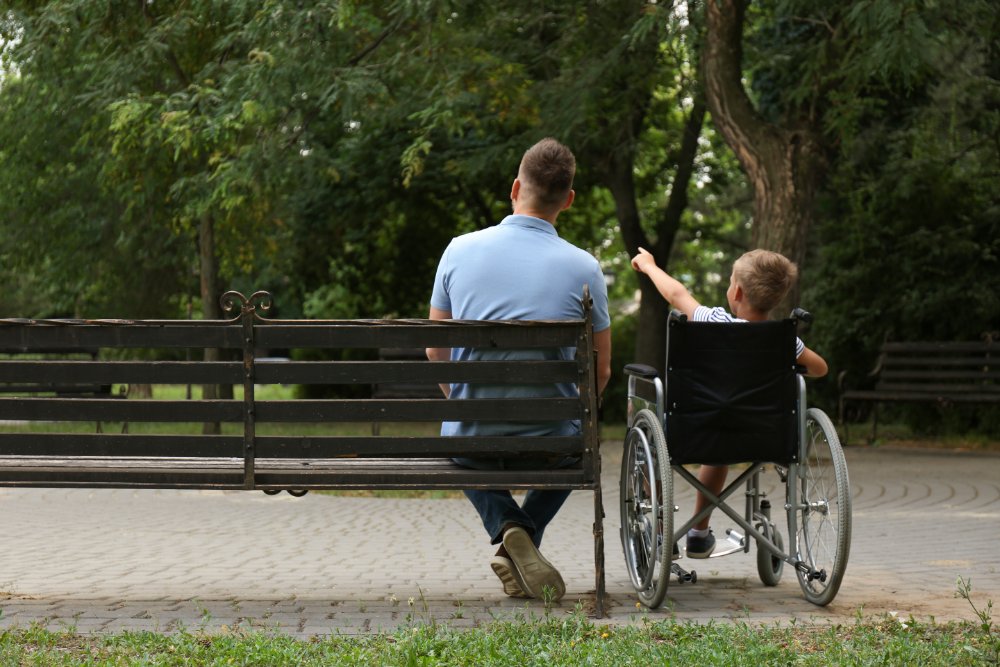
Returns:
<point x="567" y="640"/>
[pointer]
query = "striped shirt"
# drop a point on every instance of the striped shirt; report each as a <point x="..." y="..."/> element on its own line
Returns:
<point x="706" y="314"/>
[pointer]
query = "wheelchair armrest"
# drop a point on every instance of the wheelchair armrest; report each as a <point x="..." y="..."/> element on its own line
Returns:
<point x="642" y="370"/>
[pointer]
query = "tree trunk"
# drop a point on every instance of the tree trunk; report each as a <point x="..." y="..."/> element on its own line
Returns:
<point x="210" y="308"/>
<point x="783" y="164"/>
<point x="651" y="338"/>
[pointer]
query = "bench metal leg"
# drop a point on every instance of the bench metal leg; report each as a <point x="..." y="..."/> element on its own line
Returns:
<point x="871" y="440"/>
<point x="599" y="611"/>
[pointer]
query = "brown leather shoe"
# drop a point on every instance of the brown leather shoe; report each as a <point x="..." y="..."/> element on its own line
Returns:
<point x="507" y="573"/>
<point x="534" y="571"/>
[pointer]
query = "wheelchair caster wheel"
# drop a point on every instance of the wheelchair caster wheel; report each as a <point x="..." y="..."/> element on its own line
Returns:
<point x="272" y="492"/>
<point x="298" y="493"/>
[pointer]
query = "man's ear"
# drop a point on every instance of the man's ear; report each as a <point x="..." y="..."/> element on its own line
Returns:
<point x="515" y="189"/>
<point x="569" y="200"/>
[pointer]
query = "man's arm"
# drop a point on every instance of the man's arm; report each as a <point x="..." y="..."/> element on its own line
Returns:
<point x="440" y="353"/>
<point x="602" y="343"/>
<point x="670" y="288"/>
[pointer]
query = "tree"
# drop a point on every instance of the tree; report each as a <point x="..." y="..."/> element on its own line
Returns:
<point x="783" y="162"/>
<point x="813" y="66"/>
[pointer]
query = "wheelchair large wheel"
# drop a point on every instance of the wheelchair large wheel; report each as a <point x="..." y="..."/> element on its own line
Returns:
<point x="647" y="508"/>
<point x="823" y="515"/>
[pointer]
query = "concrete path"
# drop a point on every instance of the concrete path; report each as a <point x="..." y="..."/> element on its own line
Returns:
<point x="98" y="560"/>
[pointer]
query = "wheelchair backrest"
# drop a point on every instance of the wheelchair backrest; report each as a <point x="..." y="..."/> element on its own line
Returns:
<point x="732" y="392"/>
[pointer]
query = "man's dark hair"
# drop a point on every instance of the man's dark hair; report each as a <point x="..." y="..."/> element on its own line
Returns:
<point x="547" y="171"/>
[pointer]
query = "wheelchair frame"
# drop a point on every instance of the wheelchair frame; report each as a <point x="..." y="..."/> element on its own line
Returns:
<point x="817" y="500"/>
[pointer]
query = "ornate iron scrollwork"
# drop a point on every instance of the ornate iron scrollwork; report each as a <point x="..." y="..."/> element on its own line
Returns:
<point x="259" y="299"/>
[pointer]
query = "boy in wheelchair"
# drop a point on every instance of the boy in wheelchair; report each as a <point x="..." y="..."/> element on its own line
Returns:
<point x="760" y="279"/>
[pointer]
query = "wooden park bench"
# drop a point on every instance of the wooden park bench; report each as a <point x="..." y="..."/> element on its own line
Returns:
<point x="941" y="373"/>
<point x="292" y="444"/>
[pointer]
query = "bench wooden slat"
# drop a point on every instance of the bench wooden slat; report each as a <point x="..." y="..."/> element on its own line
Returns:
<point x="420" y="410"/>
<point x="936" y="387"/>
<point x="89" y="445"/>
<point x="116" y="410"/>
<point x="125" y="372"/>
<point x="298" y="411"/>
<point x="922" y="396"/>
<point x="426" y="334"/>
<point x="57" y="389"/>
<point x="976" y="362"/>
<point x="120" y="445"/>
<point x="31" y="337"/>
<point x="413" y="446"/>
<point x="415" y="372"/>
<point x="937" y="375"/>
<point x="286" y="372"/>
<point x="386" y="473"/>
<point x="946" y="347"/>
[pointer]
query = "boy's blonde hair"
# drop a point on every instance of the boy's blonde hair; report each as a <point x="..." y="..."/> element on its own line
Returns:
<point x="766" y="277"/>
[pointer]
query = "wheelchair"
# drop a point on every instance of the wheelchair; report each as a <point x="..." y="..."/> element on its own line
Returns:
<point x="733" y="394"/>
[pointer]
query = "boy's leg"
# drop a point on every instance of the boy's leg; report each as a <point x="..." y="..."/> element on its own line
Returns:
<point x="700" y="541"/>
<point x="712" y="478"/>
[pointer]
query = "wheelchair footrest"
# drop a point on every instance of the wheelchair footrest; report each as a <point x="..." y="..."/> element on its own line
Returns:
<point x="735" y="541"/>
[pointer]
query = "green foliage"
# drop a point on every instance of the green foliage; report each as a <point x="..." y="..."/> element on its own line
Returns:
<point x="337" y="146"/>
<point x="917" y="180"/>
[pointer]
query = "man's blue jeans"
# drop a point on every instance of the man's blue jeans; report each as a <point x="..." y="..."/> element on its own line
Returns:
<point x="498" y="508"/>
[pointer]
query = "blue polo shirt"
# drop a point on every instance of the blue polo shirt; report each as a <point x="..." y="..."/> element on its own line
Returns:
<point x="517" y="270"/>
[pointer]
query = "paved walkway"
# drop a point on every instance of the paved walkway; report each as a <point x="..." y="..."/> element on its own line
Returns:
<point x="98" y="560"/>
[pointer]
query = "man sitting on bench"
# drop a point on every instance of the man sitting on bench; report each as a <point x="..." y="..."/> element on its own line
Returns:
<point x="521" y="270"/>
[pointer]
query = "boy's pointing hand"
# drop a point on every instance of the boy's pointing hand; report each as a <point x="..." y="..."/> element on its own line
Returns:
<point x="643" y="260"/>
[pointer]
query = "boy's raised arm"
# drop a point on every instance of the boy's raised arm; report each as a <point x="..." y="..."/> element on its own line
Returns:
<point x="670" y="288"/>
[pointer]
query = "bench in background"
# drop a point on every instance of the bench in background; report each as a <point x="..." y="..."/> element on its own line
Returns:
<point x="942" y="373"/>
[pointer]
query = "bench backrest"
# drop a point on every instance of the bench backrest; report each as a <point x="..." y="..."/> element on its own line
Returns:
<point x="939" y="367"/>
<point x="172" y="428"/>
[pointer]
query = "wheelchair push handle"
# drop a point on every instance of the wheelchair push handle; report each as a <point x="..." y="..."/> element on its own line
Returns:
<point x="801" y="315"/>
